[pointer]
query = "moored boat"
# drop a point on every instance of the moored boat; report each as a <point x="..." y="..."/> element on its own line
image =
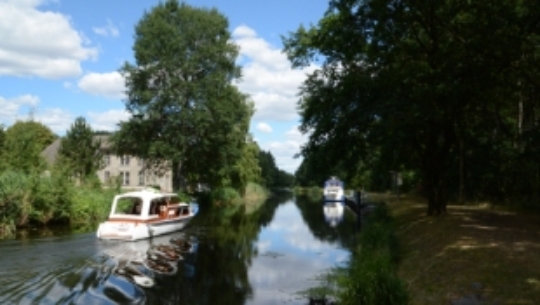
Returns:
<point x="145" y="214"/>
<point x="334" y="190"/>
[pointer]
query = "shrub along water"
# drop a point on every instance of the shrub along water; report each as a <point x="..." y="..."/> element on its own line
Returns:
<point x="371" y="277"/>
<point x="42" y="199"/>
<point x="34" y="199"/>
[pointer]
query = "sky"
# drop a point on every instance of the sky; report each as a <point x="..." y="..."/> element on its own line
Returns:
<point x="59" y="60"/>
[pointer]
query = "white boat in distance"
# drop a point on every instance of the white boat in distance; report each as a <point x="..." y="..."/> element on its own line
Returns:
<point x="334" y="190"/>
<point x="144" y="214"/>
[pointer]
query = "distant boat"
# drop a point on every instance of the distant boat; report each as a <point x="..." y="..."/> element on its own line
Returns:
<point x="145" y="214"/>
<point x="334" y="190"/>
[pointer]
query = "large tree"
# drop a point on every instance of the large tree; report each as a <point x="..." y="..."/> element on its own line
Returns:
<point x="79" y="151"/>
<point x="413" y="80"/>
<point x="185" y="110"/>
<point x="23" y="143"/>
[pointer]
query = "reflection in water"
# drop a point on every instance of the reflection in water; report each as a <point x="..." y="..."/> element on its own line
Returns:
<point x="333" y="212"/>
<point x="265" y="257"/>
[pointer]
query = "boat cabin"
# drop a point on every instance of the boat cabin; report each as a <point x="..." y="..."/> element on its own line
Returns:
<point x="148" y="205"/>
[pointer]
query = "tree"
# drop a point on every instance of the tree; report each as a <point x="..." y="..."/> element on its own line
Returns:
<point x="24" y="141"/>
<point x="186" y="113"/>
<point x="411" y="80"/>
<point x="267" y="163"/>
<point x="247" y="168"/>
<point x="79" y="151"/>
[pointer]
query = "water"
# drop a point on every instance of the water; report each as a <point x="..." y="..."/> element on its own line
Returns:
<point x="271" y="256"/>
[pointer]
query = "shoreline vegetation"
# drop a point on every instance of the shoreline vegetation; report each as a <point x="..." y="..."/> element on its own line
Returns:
<point x="33" y="200"/>
<point x="477" y="253"/>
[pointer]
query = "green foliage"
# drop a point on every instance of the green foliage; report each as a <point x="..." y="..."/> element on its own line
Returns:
<point x="443" y="90"/>
<point x="268" y="167"/>
<point x="52" y="198"/>
<point x="79" y="152"/>
<point x="372" y="280"/>
<point x="91" y="205"/>
<point x="371" y="277"/>
<point x="184" y="197"/>
<point x="314" y="193"/>
<point x="225" y="196"/>
<point x="185" y="110"/>
<point x="246" y="168"/>
<point x="14" y="201"/>
<point x="23" y="144"/>
<point x="271" y="175"/>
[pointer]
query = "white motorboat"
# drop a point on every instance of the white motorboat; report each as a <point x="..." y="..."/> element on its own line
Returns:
<point x="334" y="190"/>
<point x="145" y="214"/>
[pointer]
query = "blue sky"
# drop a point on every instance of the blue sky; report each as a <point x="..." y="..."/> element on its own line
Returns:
<point x="59" y="60"/>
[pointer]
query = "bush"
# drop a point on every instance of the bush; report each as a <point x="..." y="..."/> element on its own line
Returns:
<point x="372" y="280"/>
<point x="15" y="204"/>
<point x="372" y="276"/>
<point x="90" y="205"/>
<point x="225" y="196"/>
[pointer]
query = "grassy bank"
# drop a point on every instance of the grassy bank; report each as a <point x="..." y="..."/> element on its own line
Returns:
<point x="474" y="252"/>
<point x="371" y="277"/>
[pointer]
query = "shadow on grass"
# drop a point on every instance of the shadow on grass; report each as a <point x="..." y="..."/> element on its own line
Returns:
<point x="471" y="251"/>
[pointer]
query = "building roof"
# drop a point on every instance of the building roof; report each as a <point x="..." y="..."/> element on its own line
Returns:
<point x="51" y="152"/>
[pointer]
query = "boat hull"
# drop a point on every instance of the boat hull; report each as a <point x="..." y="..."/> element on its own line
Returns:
<point x="334" y="197"/>
<point x="136" y="230"/>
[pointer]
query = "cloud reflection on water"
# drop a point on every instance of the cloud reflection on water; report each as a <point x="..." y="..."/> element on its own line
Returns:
<point x="290" y="259"/>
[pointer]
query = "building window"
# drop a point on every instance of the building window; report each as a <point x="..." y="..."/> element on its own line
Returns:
<point x="141" y="178"/>
<point x="125" y="178"/>
<point x="107" y="160"/>
<point x="107" y="176"/>
<point x="124" y="160"/>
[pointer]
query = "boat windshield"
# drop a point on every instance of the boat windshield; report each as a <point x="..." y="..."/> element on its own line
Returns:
<point x="128" y="206"/>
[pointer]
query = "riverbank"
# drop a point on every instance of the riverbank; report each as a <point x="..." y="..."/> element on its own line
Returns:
<point x="475" y="254"/>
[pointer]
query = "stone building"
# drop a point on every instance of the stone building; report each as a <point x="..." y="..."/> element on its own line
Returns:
<point x="130" y="170"/>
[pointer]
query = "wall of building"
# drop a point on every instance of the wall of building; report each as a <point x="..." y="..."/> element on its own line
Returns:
<point x="132" y="173"/>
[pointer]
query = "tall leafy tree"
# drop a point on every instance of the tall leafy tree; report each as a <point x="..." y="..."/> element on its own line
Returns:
<point x="411" y="80"/>
<point x="185" y="110"/>
<point x="24" y="141"/>
<point x="267" y="163"/>
<point x="247" y="168"/>
<point x="79" y="151"/>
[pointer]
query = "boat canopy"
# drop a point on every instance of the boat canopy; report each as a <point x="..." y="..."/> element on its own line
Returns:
<point x="333" y="182"/>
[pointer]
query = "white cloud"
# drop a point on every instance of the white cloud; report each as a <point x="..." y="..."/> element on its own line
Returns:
<point x="10" y="109"/>
<point x="108" y="120"/>
<point x="284" y="152"/>
<point x="58" y="120"/>
<point x="263" y="127"/>
<point x="39" y="43"/>
<point x="268" y="77"/>
<point x="109" y="85"/>
<point x="108" y="30"/>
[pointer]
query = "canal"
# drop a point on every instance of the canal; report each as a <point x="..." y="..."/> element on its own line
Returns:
<point x="273" y="255"/>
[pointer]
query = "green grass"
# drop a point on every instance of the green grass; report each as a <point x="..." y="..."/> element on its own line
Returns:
<point x="473" y="249"/>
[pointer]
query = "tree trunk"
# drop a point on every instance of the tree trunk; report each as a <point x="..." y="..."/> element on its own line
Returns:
<point x="437" y="199"/>
<point x="177" y="178"/>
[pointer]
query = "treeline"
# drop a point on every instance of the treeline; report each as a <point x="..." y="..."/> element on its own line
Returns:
<point x="446" y="93"/>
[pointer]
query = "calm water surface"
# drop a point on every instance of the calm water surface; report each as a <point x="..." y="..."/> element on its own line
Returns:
<point x="269" y="256"/>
